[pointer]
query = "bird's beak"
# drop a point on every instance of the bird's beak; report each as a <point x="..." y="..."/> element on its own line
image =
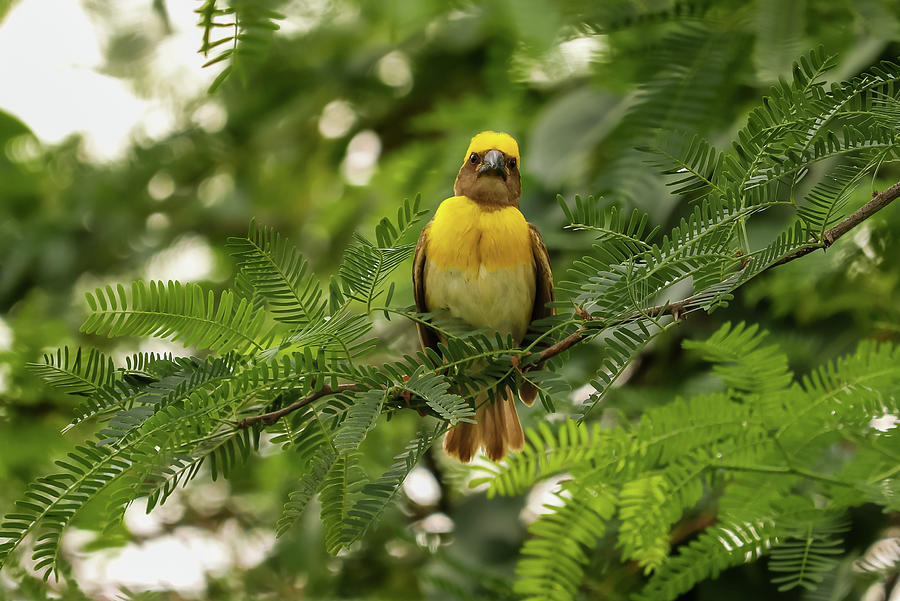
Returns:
<point x="494" y="163"/>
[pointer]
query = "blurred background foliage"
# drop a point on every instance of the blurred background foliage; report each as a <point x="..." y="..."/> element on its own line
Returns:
<point x="351" y="107"/>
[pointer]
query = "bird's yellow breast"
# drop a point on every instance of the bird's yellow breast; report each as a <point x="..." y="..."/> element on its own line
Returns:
<point x="479" y="266"/>
<point x="464" y="235"/>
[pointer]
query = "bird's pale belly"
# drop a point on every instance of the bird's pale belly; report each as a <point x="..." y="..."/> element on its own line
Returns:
<point x="501" y="299"/>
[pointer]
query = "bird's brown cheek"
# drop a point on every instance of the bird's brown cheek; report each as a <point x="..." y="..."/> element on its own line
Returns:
<point x="514" y="185"/>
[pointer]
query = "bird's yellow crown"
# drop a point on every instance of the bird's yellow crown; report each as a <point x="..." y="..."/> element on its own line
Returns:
<point x="493" y="140"/>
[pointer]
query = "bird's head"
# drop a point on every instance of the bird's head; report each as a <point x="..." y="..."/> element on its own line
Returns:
<point x="490" y="173"/>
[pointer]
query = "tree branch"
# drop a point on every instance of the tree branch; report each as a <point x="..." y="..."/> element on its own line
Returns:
<point x="675" y="309"/>
<point x="273" y="416"/>
<point x="678" y="308"/>
<point x="878" y="202"/>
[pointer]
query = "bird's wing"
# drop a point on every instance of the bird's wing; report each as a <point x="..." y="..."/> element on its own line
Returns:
<point x="543" y="290"/>
<point x="543" y="294"/>
<point x="427" y="336"/>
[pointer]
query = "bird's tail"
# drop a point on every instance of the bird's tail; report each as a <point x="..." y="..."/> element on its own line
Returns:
<point x="497" y="430"/>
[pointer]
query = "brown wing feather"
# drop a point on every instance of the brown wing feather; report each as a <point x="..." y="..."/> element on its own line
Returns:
<point x="543" y="294"/>
<point x="427" y="337"/>
<point x="543" y="291"/>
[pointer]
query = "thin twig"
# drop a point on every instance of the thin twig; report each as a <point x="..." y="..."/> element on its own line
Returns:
<point x="677" y="308"/>
<point x="273" y="416"/>
<point x="563" y="345"/>
<point x="878" y="202"/>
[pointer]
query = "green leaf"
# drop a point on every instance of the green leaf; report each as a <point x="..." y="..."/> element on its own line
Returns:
<point x="741" y="360"/>
<point x="181" y="312"/>
<point x="360" y="419"/>
<point x="553" y="559"/>
<point x="280" y="275"/>
<point x="79" y="377"/>
<point x="723" y="546"/>
<point x="433" y="388"/>
<point x="366" y="266"/>
<point x="807" y="554"/>
<point x="374" y="496"/>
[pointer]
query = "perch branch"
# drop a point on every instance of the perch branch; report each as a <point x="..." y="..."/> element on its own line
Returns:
<point x="273" y="416"/>
<point x="675" y="309"/>
<point x="878" y="202"/>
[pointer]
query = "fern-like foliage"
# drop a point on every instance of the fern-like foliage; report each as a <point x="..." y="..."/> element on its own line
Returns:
<point x="625" y="284"/>
<point x="283" y="356"/>
<point x="738" y="456"/>
<point x="546" y="454"/>
<point x="740" y="360"/>
<point x="727" y="545"/>
<point x="176" y="311"/>
<point x="163" y="417"/>
<point x="78" y="376"/>
<point x="367" y="265"/>
<point x="312" y="441"/>
<point x="432" y="388"/>
<point x="808" y="553"/>
<point x="799" y="125"/>
<point x="359" y="420"/>
<point x="279" y="274"/>
<point x="590" y="507"/>
<point x="609" y="222"/>
<point x="374" y="496"/>
<point x="248" y="27"/>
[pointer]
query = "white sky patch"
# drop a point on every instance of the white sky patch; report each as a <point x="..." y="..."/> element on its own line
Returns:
<point x="337" y="118"/>
<point x="57" y="89"/>
<point x="216" y="188"/>
<point x="208" y="497"/>
<point x="6" y="336"/>
<point x="362" y="158"/>
<point x="189" y="259"/>
<point x="394" y="70"/>
<point x="151" y="345"/>
<point x="210" y="116"/>
<point x="161" y="186"/>
<point x="179" y="560"/>
<point x="886" y="422"/>
<point x="583" y="394"/>
<point x="571" y="58"/>
<point x="141" y="523"/>
<point x="421" y="487"/>
<point x="302" y="16"/>
<point x="541" y="495"/>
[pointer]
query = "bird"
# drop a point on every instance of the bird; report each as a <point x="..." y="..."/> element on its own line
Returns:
<point x="480" y="261"/>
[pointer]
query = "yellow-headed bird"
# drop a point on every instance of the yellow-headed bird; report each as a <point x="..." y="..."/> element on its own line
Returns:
<point x="480" y="261"/>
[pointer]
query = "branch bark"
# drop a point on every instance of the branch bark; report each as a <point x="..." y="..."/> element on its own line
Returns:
<point x="273" y="416"/>
<point x="878" y="202"/>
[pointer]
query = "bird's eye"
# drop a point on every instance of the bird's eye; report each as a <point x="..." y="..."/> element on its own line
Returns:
<point x="511" y="163"/>
<point x="474" y="158"/>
